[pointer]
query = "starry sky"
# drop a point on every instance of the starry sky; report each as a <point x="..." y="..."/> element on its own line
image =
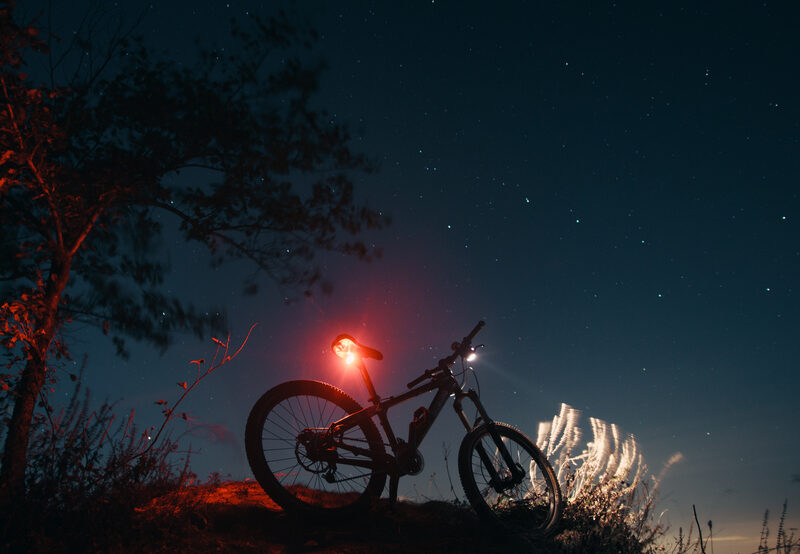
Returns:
<point x="613" y="187"/>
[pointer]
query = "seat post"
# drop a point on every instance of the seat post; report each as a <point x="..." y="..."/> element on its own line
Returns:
<point x="374" y="397"/>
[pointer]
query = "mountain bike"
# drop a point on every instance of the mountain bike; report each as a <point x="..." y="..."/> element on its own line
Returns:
<point x="315" y="450"/>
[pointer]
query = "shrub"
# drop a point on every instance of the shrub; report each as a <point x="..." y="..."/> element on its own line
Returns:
<point x="86" y="471"/>
<point x="608" y="490"/>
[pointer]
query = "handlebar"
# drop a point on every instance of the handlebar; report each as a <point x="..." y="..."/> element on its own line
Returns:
<point x="459" y="349"/>
<point x="474" y="332"/>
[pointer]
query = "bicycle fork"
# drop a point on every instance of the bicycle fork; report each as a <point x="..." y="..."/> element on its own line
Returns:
<point x="516" y="472"/>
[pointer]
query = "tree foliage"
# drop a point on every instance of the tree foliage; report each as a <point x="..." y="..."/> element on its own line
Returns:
<point x="232" y="148"/>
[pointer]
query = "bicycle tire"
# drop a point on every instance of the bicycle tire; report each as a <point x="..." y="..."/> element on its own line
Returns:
<point x="280" y="461"/>
<point x="530" y="507"/>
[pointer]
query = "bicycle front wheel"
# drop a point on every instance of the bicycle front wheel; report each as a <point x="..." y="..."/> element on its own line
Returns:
<point x="299" y="465"/>
<point x="523" y="498"/>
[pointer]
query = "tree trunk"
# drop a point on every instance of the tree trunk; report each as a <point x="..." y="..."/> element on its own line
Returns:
<point x="15" y="452"/>
<point x="12" y="474"/>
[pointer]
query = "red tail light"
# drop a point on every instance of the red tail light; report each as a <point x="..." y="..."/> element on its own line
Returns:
<point x="346" y="348"/>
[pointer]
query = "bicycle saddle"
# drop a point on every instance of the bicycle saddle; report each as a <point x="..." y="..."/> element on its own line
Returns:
<point x="345" y="345"/>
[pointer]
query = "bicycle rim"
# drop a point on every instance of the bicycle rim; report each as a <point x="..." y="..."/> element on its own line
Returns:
<point x="298" y="475"/>
<point x="527" y="505"/>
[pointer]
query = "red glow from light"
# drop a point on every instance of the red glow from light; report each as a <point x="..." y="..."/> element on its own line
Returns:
<point x="346" y="349"/>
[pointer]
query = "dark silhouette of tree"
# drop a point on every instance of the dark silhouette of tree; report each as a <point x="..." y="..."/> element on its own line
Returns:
<point x="88" y="169"/>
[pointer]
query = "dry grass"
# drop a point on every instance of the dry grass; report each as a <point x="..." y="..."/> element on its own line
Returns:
<point x="608" y="488"/>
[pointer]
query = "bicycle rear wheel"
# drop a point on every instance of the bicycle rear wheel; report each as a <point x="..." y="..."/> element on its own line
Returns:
<point x="529" y="503"/>
<point x="298" y="465"/>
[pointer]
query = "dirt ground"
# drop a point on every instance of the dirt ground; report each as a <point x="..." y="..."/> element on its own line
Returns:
<point x="239" y="517"/>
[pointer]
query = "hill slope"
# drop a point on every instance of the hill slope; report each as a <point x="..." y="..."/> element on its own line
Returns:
<point x="239" y="517"/>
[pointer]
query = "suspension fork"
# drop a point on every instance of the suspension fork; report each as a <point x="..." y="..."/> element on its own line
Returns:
<point x="497" y="482"/>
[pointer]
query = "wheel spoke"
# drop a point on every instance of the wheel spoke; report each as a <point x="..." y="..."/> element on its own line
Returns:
<point x="528" y="503"/>
<point x="303" y="464"/>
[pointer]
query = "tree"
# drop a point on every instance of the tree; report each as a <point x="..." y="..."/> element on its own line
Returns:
<point x="87" y="171"/>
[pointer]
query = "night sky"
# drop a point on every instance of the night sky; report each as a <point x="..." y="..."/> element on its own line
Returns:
<point x="613" y="187"/>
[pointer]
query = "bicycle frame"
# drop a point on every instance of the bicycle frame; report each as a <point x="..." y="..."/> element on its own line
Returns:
<point x="396" y="465"/>
<point x="316" y="451"/>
